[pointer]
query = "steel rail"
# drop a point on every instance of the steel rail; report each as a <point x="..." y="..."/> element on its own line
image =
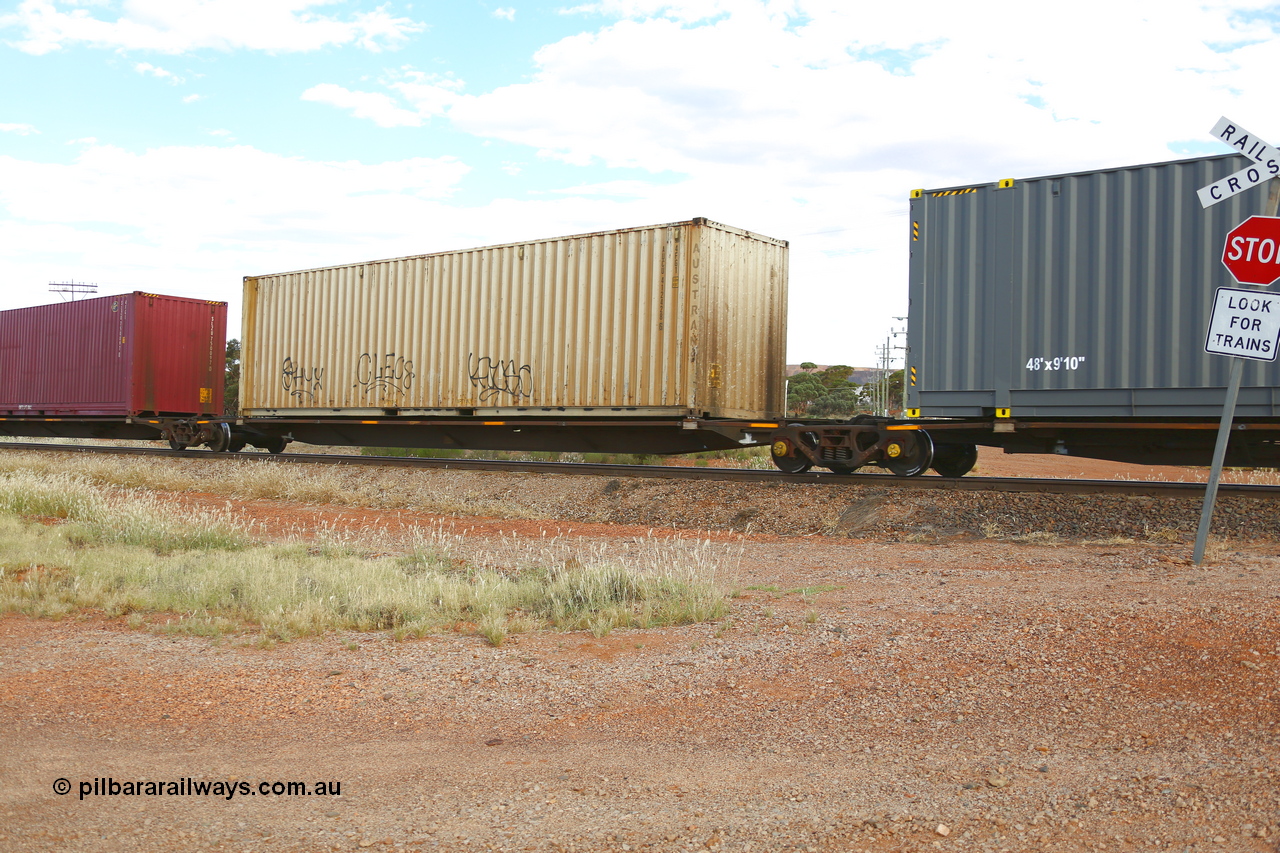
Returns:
<point x="1137" y="488"/>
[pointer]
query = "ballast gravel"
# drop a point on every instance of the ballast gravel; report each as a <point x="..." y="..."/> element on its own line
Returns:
<point x="787" y="509"/>
<point x="930" y="676"/>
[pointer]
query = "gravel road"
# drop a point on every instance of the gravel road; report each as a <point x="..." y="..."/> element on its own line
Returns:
<point x="881" y="687"/>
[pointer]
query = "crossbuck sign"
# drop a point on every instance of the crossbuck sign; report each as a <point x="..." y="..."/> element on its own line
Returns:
<point x="1266" y="163"/>
<point x="1244" y="322"/>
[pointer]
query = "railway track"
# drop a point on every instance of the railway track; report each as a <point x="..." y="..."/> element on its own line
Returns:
<point x="820" y="478"/>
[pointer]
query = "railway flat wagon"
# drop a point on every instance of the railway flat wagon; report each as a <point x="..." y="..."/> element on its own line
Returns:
<point x="662" y="338"/>
<point x="1071" y="312"/>
<point x="128" y="366"/>
<point x="1063" y="314"/>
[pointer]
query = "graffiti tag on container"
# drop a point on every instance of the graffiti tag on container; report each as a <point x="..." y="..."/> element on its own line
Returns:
<point x="301" y="382"/>
<point x="384" y="373"/>
<point x="493" y="377"/>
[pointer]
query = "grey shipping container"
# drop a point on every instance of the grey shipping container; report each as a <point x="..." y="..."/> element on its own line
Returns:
<point x="684" y="319"/>
<point x="1076" y="295"/>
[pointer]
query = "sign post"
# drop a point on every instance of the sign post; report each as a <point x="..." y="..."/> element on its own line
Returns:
<point x="1242" y="337"/>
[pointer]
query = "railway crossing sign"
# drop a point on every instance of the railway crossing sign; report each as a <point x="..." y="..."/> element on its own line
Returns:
<point x="1244" y="323"/>
<point x="1266" y="163"/>
<point x="1252" y="250"/>
<point x="1250" y="330"/>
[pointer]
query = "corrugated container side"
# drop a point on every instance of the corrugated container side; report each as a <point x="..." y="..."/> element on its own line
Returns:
<point x="113" y="356"/>
<point x="1083" y="294"/>
<point x="67" y="358"/>
<point x="630" y="319"/>
<point x="179" y="355"/>
<point x="742" y="334"/>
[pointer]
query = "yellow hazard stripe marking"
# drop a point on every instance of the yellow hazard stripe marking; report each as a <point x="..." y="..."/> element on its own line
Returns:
<point x="954" y="192"/>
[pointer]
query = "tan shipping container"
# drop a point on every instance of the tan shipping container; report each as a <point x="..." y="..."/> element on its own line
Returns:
<point x="687" y="318"/>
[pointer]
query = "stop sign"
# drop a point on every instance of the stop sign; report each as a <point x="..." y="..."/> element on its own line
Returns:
<point x="1252" y="252"/>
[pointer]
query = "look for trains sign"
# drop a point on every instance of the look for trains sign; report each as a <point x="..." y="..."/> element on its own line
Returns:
<point x="1245" y="323"/>
<point x="1252" y="252"/>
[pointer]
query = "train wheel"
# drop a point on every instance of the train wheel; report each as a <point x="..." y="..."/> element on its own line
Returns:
<point x="274" y="444"/>
<point x="236" y="445"/>
<point x="797" y="463"/>
<point x="220" y="440"/>
<point x="954" y="460"/>
<point x="174" y="444"/>
<point x="909" y="456"/>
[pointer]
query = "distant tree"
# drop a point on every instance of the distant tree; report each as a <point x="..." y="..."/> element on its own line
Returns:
<point x="843" y="403"/>
<point x="824" y="394"/>
<point x="802" y="390"/>
<point x="895" y="390"/>
<point x="836" y="376"/>
<point x="231" y="380"/>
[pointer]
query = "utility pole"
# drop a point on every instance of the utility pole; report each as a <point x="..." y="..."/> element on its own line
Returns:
<point x="888" y="386"/>
<point x="72" y="288"/>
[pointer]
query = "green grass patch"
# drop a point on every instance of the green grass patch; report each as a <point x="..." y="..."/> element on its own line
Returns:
<point x="127" y="554"/>
<point x="258" y="476"/>
<point x="818" y="589"/>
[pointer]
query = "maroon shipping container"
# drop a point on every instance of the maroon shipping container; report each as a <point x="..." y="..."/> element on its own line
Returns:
<point x="137" y="354"/>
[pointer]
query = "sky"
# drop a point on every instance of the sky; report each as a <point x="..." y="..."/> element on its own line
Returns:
<point x="176" y="146"/>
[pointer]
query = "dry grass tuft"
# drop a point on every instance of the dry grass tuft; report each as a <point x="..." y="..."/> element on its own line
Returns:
<point x="126" y="553"/>
<point x="257" y="477"/>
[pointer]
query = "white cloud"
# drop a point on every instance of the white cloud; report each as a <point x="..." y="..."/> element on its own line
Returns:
<point x="191" y="99"/>
<point x="20" y="129"/>
<point x="688" y="11"/>
<point x="180" y="26"/>
<point x="231" y="183"/>
<point x="194" y="220"/>
<point x="155" y="71"/>
<point x="381" y="109"/>
<point x="808" y="120"/>
<point x="809" y="116"/>
<point x="844" y="88"/>
<point x="505" y="12"/>
<point x="430" y="94"/>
